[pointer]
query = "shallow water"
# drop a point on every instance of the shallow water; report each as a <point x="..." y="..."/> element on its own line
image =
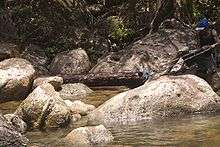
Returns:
<point x="194" y="131"/>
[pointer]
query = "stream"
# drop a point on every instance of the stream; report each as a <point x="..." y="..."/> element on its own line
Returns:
<point x="193" y="131"/>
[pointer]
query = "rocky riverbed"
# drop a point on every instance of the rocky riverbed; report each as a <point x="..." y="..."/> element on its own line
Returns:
<point x="38" y="102"/>
<point x="201" y="130"/>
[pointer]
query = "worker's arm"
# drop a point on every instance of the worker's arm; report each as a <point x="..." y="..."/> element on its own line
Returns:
<point x="215" y="34"/>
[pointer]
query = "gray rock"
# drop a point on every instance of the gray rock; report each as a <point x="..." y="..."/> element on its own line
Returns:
<point x="162" y="98"/>
<point x="79" y="107"/>
<point x="44" y="108"/>
<point x="55" y="81"/>
<point x="9" y="137"/>
<point x="8" y="50"/>
<point x="17" y="122"/>
<point x="154" y="52"/>
<point x="89" y="136"/>
<point x="70" y="63"/>
<point x="74" y="91"/>
<point x="216" y="81"/>
<point x="37" y="57"/>
<point x="16" y="77"/>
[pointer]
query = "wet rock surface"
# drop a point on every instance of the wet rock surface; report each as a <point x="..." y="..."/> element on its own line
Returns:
<point x="16" y="77"/>
<point x="165" y="97"/>
<point x="95" y="135"/>
<point x="44" y="108"/>
<point x="9" y="136"/>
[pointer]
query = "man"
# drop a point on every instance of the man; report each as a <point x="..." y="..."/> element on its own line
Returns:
<point x="206" y="62"/>
<point x="206" y="35"/>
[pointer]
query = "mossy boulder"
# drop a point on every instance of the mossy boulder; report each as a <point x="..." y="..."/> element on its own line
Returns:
<point x="44" y="108"/>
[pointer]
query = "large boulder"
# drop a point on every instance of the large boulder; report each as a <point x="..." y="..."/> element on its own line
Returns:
<point x="37" y="56"/>
<point x="74" y="91"/>
<point x="44" y="108"/>
<point x="16" y="77"/>
<point x="53" y="80"/>
<point x="70" y="63"/>
<point x="165" y="97"/>
<point x="95" y="135"/>
<point x="9" y="137"/>
<point x="154" y="52"/>
<point x="8" y="50"/>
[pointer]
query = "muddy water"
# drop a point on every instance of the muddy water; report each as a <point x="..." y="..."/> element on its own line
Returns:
<point x="194" y="131"/>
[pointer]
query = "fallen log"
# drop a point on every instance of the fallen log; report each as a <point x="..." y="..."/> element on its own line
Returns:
<point x="128" y="79"/>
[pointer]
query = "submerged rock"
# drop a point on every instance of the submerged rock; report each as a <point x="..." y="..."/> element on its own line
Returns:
<point x="55" y="81"/>
<point x="44" y="108"/>
<point x="79" y="107"/>
<point x="70" y="63"/>
<point x="168" y="96"/>
<point x="9" y="137"/>
<point x="16" y="77"/>
<point x="89" y="136"/>
<point x="17" y="122"/>
<point x="74" y="91"/>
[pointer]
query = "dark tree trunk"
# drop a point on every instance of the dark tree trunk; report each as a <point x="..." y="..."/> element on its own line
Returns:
<point x="132" y="11"/>
<point x="166" y="10"/>
<point x="7" y="27"/>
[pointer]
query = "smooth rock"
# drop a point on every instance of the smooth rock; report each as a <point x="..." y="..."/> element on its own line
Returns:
<point x="44" y="108"/>
<point x="16" y="77"/>
<point x="166" y="97"/>
<point x="70" y="63"/>
<point x="74" y="91"/>
<point x="95" y="135"/>
<point x="9" y="137"/>
<point x="79" y="107"/>
<point x="55" y="81"/>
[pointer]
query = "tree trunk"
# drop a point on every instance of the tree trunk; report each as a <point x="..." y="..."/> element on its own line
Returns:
<point x="7" y="27"/>
<point x="166" y="10"/>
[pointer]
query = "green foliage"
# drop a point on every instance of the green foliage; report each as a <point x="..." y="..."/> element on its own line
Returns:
<point x="60" y="25"/>
<point x="207" y="8"/>
<point x="118" y="30"/>
<point x="51" y="51"/>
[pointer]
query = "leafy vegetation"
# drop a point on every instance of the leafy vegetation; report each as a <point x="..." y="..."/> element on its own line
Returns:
<point x="59" y="25"/>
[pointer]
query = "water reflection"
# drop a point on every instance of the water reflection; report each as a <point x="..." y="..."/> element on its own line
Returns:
<point x="194" y="131"/>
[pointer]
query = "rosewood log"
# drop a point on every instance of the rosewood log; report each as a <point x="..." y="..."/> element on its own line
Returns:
<point x="107" y="79"/>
